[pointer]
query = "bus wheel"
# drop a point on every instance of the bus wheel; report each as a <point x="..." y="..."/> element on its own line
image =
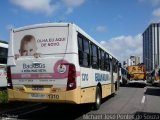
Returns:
<point x="98" y="99"/>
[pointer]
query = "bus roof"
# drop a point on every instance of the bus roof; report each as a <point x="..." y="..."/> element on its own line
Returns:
<point x="63" y="25"/>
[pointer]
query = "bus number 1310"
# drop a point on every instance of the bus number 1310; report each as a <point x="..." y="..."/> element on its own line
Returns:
<point x="53" y="96"/>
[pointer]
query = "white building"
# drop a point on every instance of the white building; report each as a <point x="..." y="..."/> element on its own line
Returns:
<point x="132" y="60"/>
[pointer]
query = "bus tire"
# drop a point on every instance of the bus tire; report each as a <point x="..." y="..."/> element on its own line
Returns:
<point x="98" y="99"/>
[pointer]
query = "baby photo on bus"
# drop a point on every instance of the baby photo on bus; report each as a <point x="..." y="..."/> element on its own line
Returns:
<point x="28" y="46"/>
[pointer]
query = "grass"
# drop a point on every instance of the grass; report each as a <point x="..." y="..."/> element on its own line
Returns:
<point x="3" y="96"/>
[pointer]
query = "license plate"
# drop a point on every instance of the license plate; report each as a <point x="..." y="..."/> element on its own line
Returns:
<point x="37" y="87"/>
<point x="37" y="96"/>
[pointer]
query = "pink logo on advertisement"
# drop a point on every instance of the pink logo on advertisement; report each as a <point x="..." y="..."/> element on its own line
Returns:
<point x="60" y="69"/>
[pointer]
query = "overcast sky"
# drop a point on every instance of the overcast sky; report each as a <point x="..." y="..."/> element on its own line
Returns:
<point x="116" y="24"/>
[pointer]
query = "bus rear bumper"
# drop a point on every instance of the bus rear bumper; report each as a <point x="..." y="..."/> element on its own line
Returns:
<point x="137" y="81"/>
<point x="71" y="96"/>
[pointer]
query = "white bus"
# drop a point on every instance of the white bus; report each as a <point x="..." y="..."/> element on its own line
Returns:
<point x="59" y="62"/>
<point x="123" y="76"/>
<point x="3" y="63"/>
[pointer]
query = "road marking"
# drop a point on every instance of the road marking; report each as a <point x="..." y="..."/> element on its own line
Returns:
<point x="143" y="99"/>
<point x="144" y="90"/>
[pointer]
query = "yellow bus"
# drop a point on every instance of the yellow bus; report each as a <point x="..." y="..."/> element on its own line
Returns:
<point x="59" y="62"/>
<point x="137" y="74"/>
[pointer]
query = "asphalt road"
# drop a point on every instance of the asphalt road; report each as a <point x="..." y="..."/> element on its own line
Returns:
<point x="134" y="102"/>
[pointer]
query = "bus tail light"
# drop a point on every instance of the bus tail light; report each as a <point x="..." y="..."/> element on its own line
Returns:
<point x="71" y="83"/>
<point x="9" y="79"/>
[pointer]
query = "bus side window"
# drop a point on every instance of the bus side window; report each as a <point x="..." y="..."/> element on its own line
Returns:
<point x="83" y="51"/>
<point x="94" y="56"/>
<point x="102" y="60"/>
<point x="114" y="65"/>
<point x="86" y="53"/>
<point x="107" y="64"/>
<point x="80" y="50"/>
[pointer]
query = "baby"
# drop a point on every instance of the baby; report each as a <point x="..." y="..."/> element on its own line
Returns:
<point x="28" y="46"/>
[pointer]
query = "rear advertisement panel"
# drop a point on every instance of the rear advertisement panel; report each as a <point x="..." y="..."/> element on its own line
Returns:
<point x="38" y="53"/>
<point x="47" y="40"/>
